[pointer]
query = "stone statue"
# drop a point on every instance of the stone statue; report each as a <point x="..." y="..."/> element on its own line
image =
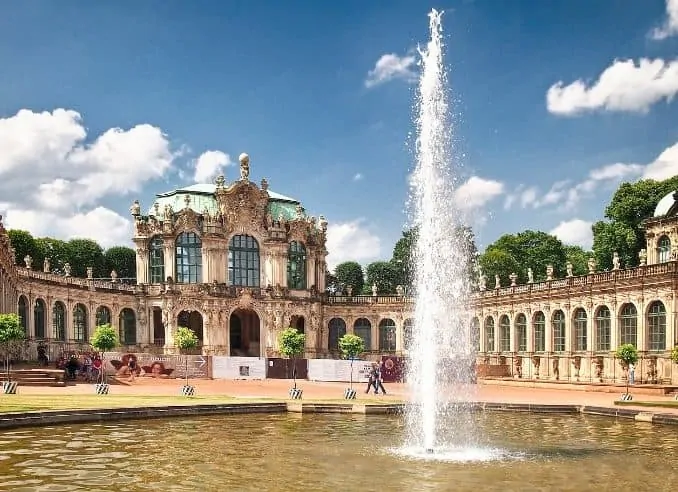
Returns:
<point x="322" y="222"/>
<point x="28" y="261"/>
<point x="615" y="261"/>
<point x="168" y="212"/>
<point x="530" y="276"/>
<point x="220" y="181"/>
<point x="642" y="257"/>
<point x="244" y="167"/>
<point x="549" y="272"/>
<point x="156" y="209"/>
<point x="67" y="269"/>
<point x="400" y="290"/>
<point x="497" y="281"/>
<point x="513" y="278"/>
<point x="482" y="281"/>
<point x="374" y="289"/>
<point x="264" y="184"/>
<point x="114" y="276"/>
<point x="135" y="209"/>
<point x="592" y="265"/>
<point x="349" y="290"/>
<point x="568" y="267"/>
<point x="90" y="272"/>
<point x="46" y="265"/>
<point x="187" y="201"/>
<point x="300" y="212"/>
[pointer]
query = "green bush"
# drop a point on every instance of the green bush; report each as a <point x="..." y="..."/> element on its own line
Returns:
<point x="292" y="345"/>
<point x="351" y="346"/>
<point x="11" y="336"/>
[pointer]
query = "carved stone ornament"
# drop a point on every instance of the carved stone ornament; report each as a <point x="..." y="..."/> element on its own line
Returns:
<point x="244" y="166"/>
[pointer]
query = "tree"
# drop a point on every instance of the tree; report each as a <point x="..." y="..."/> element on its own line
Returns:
<point x="351" y="346"/>
<point x="11" y="336"/>
<point x="627" y="354"/>
<point x="121" y="259"/>
<point x="579" y="259"/>
<point x="185" y="339"/>
<point x="350" y="273"/>
<point x="83" y="253"/>
<point x="384" y="274"/>
<point x="403" y="257"/>
<point x="55" y="250"/>
<point x="104" y="339"/>
<point x="331" y="282"/>
<point x="292" y="345"/>
<point x="24" y="244"/>
<point x="497" y="261"/>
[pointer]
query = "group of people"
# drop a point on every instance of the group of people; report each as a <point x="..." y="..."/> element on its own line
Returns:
<point x="86" y="366"/>
<point x="376" y="379"/>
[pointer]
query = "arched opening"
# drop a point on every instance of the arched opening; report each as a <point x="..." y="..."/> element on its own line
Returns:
<point x="656" y="326"/>
<point x="188" y="258"/>
<point x="504" y="334"/>
<point x="158" y="327"/>
<point x="59" y="321"/>
<point x="128" y="327"/>
<point x="408" y="327"/>
<point x="80" y="323"/>
<point x="363" y="328"/>
<point x="387" y="335"/>
<point x="23" y="313"/>
<point x="243" y="261"/>
<point x="558" y="327"/>
<point x="489" y="334"/>
<point x="521" y="332"/>
<point x="539" y="327"/>
<point x="39" y="318"/>
<point x="299" y="323"/>
<point x="663" y="249"/>
<point x="580" y="329"/>
<point x="103" y="316"/>
<point x="192" y="320"/>
<point x="628" y="325"/>
<point x="603" y="329"/>
<point x="337" y="329"/>
<point x="296" y="266"/>
<point x="156" y="260"/>
<point x="244" y="331"/>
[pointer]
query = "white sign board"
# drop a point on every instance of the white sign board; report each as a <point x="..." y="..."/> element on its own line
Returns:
<point x="337" y="370"/>
<point x="238" y="368"/>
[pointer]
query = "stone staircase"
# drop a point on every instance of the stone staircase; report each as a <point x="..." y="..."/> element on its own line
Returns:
<point x="36" y="377"/>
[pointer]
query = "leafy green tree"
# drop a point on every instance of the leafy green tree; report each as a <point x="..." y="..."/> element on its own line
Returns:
<point x="104" y="339"/>
<point x="292" y="345"/>
<point x="11" y="336"/>
<point x="121" y="259"/>
<point x="350" y="273"/>
<point x="83" y="253"/>
<point x="185" y="339"/>
<point x="627" y="354"/>
<point x="25" y="244"/>
<point x="383" y="273"/>
<point x="351" y="346"/>
<point x="55" y="250"/>
<point x="498" y="261"/>
<point x="611" y="237"/>
<point x="579" y="259"/>
<point x="402" y="259"/>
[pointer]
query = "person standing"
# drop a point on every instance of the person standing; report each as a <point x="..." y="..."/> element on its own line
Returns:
<point x="379" y="384"/>
<point x="372" y="379"/>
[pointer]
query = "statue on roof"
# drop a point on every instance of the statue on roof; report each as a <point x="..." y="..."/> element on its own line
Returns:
<point x="135" y="209"/>
<point x="244" y="167"/>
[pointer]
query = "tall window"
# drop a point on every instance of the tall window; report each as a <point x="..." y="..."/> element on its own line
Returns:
<point x="79" y="323"/>
<point x="475" y="333"/>
<point x="504" y="334"/>
<point x="387" y="335"/>
<point x="243" y="261"/>
<point x="521" y="332"/>
<point x="558" y="324"/>
<point x="103" y="316"/>
<point x="296" y="266"/>
<point x="408" y="326"/>
<point x="628" y="325"/>
<point x="580" y="320"/>
<point x="363" y="328"/>
<point x="664" y="249"/>
<point x="489" y="334"/>
<point x="39" y="318"/>
<point x="337" y="328"/>
<point x="59" y="321"/>
<point x="603" y="329"/>
<point x="156" y="261"/>
<point x="539" y="326"/>
<point x="128" y="327"/>
<point x="656" y="326"/>
<point x="188" y="258"/>
<point x="23" y="313"/>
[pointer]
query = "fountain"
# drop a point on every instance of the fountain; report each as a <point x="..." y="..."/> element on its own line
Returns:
<point x="440" y="369"/>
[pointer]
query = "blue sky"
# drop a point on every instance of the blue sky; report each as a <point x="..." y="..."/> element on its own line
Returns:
<point x="286" y="83"/>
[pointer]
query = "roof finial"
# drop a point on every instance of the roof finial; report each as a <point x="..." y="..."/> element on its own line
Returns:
<point x="244" y="167"/>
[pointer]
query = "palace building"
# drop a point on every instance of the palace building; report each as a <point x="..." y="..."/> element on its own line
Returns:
<point x="238" y="263"/>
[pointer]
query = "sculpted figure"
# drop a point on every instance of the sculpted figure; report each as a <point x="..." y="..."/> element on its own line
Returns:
<point x="28" y="261"/>
<point x="530" y="276"/>
<point x="592" y="265"/>
<point x="549" y="272"/>
<point x="642" y="257"/>
<point x="482" y="281"/>
<point x="615" y="261"/>
<point x="244" y="167"/>
<point x="513" y="278"/>
<point x="45" y="265"/>
<point x="497" y="281"/>
<point x="135" y="209"/>
<point x="374" y="289"/>
<point x="569" y="269"/>
<point x="67" y="269"/>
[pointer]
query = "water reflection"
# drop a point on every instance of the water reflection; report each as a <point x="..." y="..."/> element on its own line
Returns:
<point x="335" y="453"/>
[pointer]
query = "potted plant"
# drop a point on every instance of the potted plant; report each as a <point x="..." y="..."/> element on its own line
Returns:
<point x="185" y="339"/>
<point x="628" y="355"/>
<point x="104" y="339"/>
<point x="292" y="345"/>
<point x="11" y="336"/>
<point x="351" y="346"/>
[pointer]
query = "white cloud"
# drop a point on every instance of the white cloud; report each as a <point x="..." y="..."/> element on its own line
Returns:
<point x="357" y="177"/>
<point x="391" y="66"/>
<point x="623" y="86"/>
<point x="576" y="232"/>
<point x="664" y="166"/>
<point x="670" y="26"/>
<point x="477" y="192"/>
<point x="209" y="165"/>
<point x="351" y="241"/>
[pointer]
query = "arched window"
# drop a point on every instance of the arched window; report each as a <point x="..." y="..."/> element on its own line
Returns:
<point x="408" y="326"/>
<point x="656" y="326"/>
<point x="475" y="334"/>
<point x="504" y="334"/>
<point x="39" y="318"/>
<point x="628" y="325"/>
<point x="156" y="261"/>
<point x="521" y="332"/>
<point x="603" y="329"/>
<point x="558" y="325"/>
<point x="128" y="327"/>
<point x="296" y="266"/>
<point x="664" y="249"/>
<point x="363" y="328"/>
<point x="337" y="329"/>
<point x="243" y="261"/>
<point x="387" y="335"/>
<point x="539" y="326"/>
<point x="79" y="323"/>
<point x="489" y="334"/>
<point x="23" y="313"/>
<point x="580" y="327"/>
<point x="188" y="258"/>
<point x="103" y="316"/>
<point x="59" y="321"/>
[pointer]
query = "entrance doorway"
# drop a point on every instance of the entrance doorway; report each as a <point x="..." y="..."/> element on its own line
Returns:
<point x="158" y="328"/>
<point x="244" y="328"/>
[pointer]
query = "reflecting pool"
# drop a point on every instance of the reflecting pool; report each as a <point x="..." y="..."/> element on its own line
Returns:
<point x="293" y="452"/>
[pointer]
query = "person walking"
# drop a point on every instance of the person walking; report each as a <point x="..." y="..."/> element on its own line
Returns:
<point x="379" y="383"/>
<point x="372" y="379"/>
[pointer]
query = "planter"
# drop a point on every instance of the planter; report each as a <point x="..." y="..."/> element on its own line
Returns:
<point x="626" y="397"/>
<point x="296" y="393"/>
<point x="187" y="390"/>
<point x="349" y="394"/>
<point x="102" y="388"/>
<point x="9" y="387"/>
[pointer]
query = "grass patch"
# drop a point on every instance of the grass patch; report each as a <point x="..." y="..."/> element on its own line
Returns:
<point x="655" y="404"/>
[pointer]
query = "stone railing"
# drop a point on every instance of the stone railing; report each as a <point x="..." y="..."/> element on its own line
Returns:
<point x="76" y="282"/>
<point x="367" y="299"/>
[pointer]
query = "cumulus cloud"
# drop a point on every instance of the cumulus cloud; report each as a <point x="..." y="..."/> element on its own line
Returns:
<point x="623" y="86"/>
<point x="351" y="241"/>
<point x="357" y="176"/>
<point x="52" y="179"/>
<point x="575" y="232"/>
<point x="476" y="192"/>
<point x="209" y="165"/>
<point x="670" y="25"/>
<point x="390" y="67"/>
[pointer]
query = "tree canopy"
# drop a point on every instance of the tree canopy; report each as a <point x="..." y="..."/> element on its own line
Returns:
<point x="349" y="273"/>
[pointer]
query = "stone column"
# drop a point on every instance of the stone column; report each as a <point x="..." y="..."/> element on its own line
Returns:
<point x="310" y="269"/>
<point x="590" y="329"/>
<point x="400" y="331"/>
<point x="549" y="331"/>
<point x="614" y="326"/>
<point x="281" y="263"/>
<point x="168" y="249"/>
<point x="641" y="335"/>
<point x="142" y="263"/>
<point x="374" y="334"/>
<point x="513" y="345"/>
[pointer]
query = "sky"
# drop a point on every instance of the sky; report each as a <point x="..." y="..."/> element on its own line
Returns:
<point x="554" y="102"/>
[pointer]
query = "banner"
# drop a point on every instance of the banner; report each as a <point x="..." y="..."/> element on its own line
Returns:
<point x="157" y="366"/>
<point x="338" y="370"/>
<point x="238" y="368"/>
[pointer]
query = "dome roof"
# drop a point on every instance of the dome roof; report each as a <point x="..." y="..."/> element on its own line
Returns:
<point x="665" y="205"/>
